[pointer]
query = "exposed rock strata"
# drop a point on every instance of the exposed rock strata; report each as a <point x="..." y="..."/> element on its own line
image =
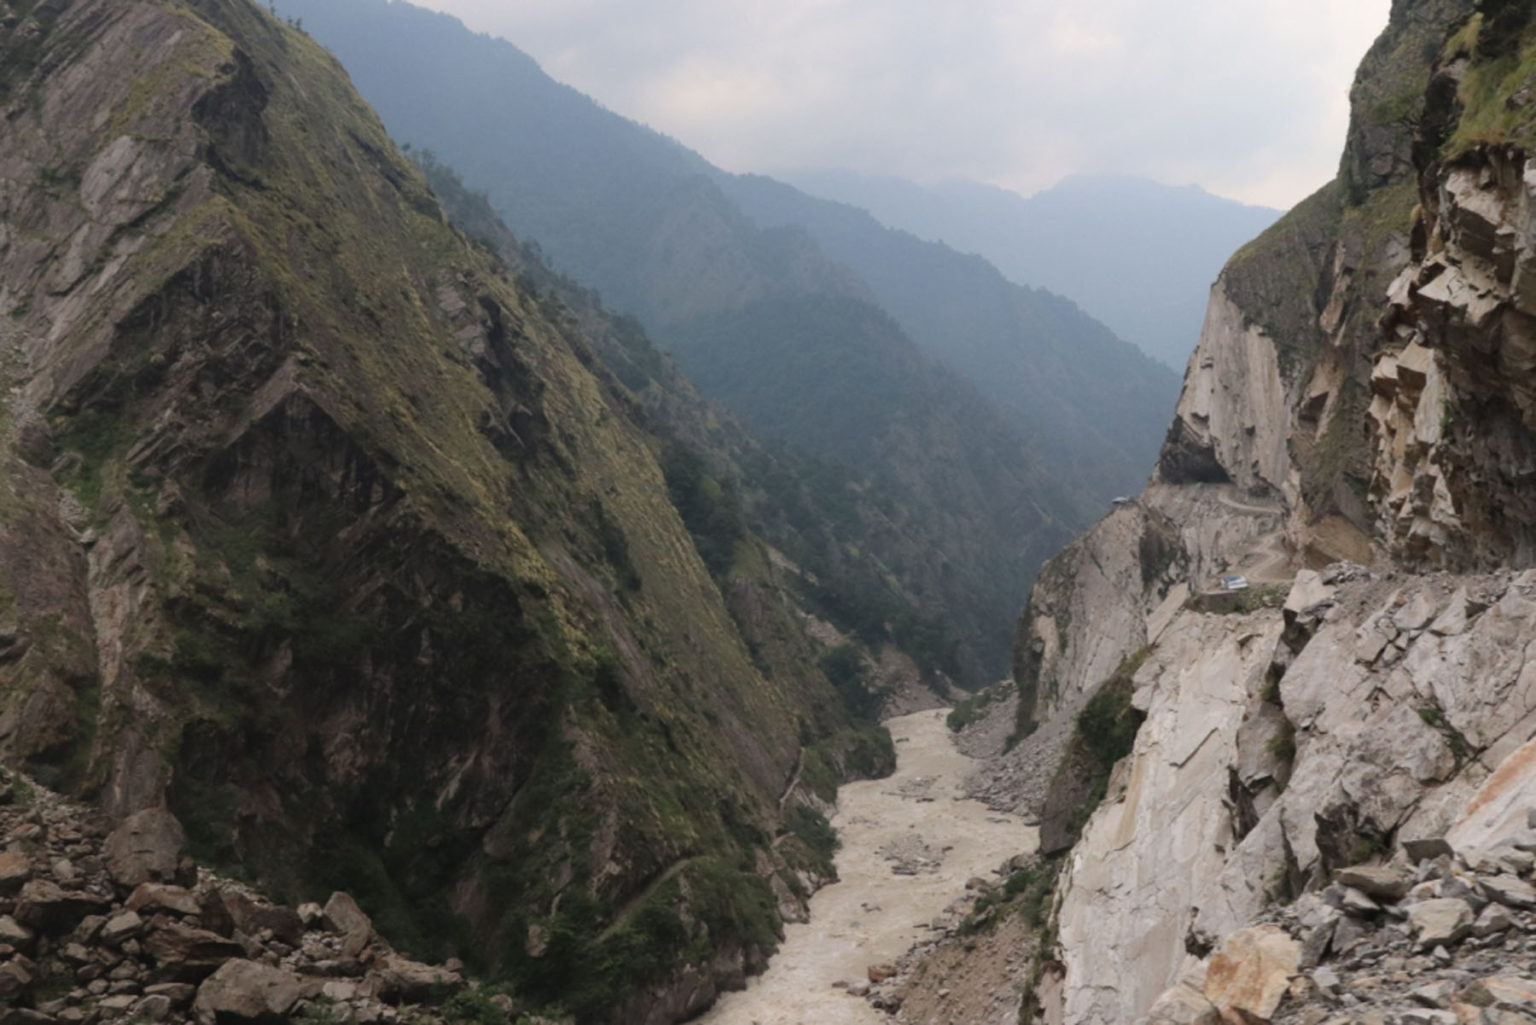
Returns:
<point x="1452" y="409"/>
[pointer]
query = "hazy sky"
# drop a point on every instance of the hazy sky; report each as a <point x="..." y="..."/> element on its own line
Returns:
<point x="1248" y="98"/>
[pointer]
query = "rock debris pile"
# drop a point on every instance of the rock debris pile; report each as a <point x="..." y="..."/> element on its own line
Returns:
<point x="1431" y="938"/>
<point x="99" y="926"/>
<point x="910" y="855"/>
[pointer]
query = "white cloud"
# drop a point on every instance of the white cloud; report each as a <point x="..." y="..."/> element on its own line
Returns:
<point x="1245" y="97"/>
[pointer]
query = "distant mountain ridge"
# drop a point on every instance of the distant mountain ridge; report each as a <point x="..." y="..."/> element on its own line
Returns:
<point x="997" y="333"/>
<point x="1134" y="253"/>
<point x="694" y="255"/>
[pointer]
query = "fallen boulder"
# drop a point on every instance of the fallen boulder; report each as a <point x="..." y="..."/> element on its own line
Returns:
<point x="146" y="847"/>
<point x="246" y="991"/>
<point x="344" y="916"/>
<point x="186" y="954"/>
<point x="1249" y="975"/>
<point x="1440" y="921"/>
<point x="1183" y="1005"/>
<point x="50" y="909"/>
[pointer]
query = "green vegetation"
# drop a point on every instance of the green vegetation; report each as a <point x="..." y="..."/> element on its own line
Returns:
<point x="1027" y="892"/>
<point x="813" y="830"/>
<point x="1104" y="733"/>
<point x="1494" y="93"/>
<point x="860" y="565"/>
<point x="844" y="668"/>
<point x="590" y="970"/>
<point x="709" y="510"/>
<point x="971" y="710"/>
<point x="1461" y="748"/>
<point x="1107" y="725"/>
<point x="770" y="362"/>
<point x="1270" y="693"/>
<point x="1041" y="951"/>
<point x="861" y="751"/>
<point x="474" y="1007"/>
<point x="1282" y="745"/>
<point x="785" y="336"/>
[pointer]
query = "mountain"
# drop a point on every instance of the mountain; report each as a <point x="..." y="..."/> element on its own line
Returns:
<point x="662" y="235"/>
<point x="1075" y="389"/>
<point x="326" y="535"/>
<point x="1135" y="254"/>
<point x="1219" y="765"/>
<point x="847" y="549"/>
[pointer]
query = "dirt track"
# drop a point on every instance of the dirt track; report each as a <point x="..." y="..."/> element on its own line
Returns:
<point x="913" y="822"/>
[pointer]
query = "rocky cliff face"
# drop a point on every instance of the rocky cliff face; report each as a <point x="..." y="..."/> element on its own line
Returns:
<point x="318" y="528"/>
<point x="1354" y="436"/>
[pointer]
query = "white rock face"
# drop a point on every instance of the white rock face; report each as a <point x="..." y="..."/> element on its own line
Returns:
<point x="1234" y="400"/>
<point x="1379" y="709"/>
<point x="1145" y="861"/>
<point x="1398" y="736"/>
<point x="1500" y="809"/>
<point x="1102" y="620"/>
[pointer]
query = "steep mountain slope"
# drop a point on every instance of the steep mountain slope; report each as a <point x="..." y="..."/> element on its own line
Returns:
<point x="321" y="530"/>
<point x="1074" y="388"/>
<point x="652" y="228"/>
<point x="1353" y="436"/>
<point x="853" y="556"/>
<point x="1137" y="255"/>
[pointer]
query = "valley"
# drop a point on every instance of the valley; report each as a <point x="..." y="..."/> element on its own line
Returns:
<point x="910" y="844"/>
<point x="485" y="577"/>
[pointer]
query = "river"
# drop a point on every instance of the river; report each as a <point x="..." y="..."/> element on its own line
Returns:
<point x="915" y="821"/>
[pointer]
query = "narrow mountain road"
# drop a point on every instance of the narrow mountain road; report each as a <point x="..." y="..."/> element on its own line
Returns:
<point x="1252" y="508"/>
<point x="909" y="843"/>
<point x="1269" y="560"/>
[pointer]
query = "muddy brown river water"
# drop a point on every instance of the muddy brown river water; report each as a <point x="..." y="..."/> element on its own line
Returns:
<point x="909" y="843"/>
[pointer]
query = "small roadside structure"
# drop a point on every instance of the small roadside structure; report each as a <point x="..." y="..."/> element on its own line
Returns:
<point x="1234" y="583"/>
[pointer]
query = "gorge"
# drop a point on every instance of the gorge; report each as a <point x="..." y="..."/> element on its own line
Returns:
<point x="348" y="549"/>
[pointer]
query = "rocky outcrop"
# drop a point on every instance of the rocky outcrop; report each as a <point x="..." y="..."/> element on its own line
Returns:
<point x="1147" y="857"/>
<point x="145" y="847"/>
<point x="1249" y="975"/>
<point x="1260" y="771"/>
<point x="1452" y="409"/>
<point x="1450" y="943"/>
<point x="77" y="945"/>
<point x="1232" y="421"/>
<point x="1088" y="612"/>
<point x="1109" y="596"/>
<point x="1362" y="393"/>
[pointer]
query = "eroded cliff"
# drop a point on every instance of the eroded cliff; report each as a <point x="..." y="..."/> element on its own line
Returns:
<point x="1355" y="438"/>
